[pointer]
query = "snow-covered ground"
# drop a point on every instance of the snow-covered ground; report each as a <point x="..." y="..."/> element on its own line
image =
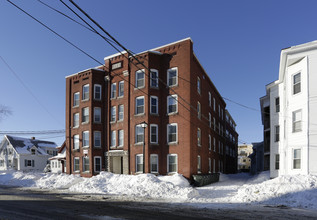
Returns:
<point x="298" y="191"/>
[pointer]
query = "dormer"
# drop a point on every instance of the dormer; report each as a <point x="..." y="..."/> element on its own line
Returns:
<point x="33" y="150"/>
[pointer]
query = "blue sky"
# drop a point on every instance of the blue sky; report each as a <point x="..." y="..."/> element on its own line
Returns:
<point x="237" y="42"/>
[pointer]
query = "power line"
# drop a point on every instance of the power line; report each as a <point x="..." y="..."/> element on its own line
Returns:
<point x="34" y="132"/>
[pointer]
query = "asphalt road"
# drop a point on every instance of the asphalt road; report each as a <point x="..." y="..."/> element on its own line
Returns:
<point x="16" y="203"/>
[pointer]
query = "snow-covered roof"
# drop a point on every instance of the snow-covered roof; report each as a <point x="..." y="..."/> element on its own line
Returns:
<point x="24" y="145"/>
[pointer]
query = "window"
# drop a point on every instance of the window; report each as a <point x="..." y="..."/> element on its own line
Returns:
<point x="277" y="161"/>
<point x="214" y="166"/>
<point x="97" y="163"/>
<point x="214" y="124"/>
<point x="219" y="109"/>
<point x="1" y="163"/>
<point x="172" y="133"/>
<point x="297" y="83"/>
<point x="113" y="141"/>
<point x="296" y="158"/>
<point x="139" y="134"/>
<point x="219" y="146"/>
<point x="76" y="99"/>
<point x="139" y="79"/>
<point x="76" y="120"/>
<point x="277" y="104"/>
<point x="113" y="114"/>
<point x="97" y="115"/>
<point x="209" y="119"/>
<point x="154" y="134"/>
<point x="215" y="144"/>
<point x="85" y="164"/>
<point x="209" y="99"/>
<point x="97" y="139"/>
<point x="297" y="121"/>
<point x="172" y="104"/>
<point x="76" y="142"/>
<point x="209" y="165"/>
<point x="139" y="163"/>
<point x="154" y="105"/>
<point x="198" y="110"/>
<point x="86" y="139"/>
<point x="33" y="151"/>
<point x="113" y="91"/>
<point x="198" y="164"/>
<point x="86" y="92"/>
<point x="139" y="105"/>
<point x="120" y="138"/>
<point x="121" y="89"/>
<point x="198" y="85"/>
<point x="154" y="78"/>
<point x="277" y="133"/>
<point x="97" y="92"/>
<point x="29" y="163"/>
<point x="172" y="163"/>
<point x="154" y="163"/>
<point x="209" y="142"/>
<point x="76" y="164"/>
<point x="172" y="77"/>
<point x="120" y="113"/>
<point x="198" y="137"/>
<point x="214" y="104"/>
<point x="85" y="115"/>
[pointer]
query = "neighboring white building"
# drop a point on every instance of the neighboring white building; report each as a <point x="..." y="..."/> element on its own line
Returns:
<point x="244" y="162"/>
<point x="57" y="163"/>
<point x="25" y="154"/>
<point x="292" y="102"/>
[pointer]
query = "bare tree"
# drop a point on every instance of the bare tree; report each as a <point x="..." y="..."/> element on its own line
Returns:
<point x="4" y="111"/>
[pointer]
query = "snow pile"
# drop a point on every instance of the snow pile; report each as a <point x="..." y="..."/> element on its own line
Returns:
<point x="57" y="181"/>
<point x="18" y="178"/>
<point x="143" y="185"/>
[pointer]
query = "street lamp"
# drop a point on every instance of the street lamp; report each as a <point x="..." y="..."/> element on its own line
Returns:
<point x="143" y="125"/>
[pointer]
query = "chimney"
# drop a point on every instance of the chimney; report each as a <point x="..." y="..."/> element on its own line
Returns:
<point x="33" y="138"/>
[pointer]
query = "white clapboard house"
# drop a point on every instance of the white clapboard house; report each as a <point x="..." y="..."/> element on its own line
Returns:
<point x="25" y="154"/>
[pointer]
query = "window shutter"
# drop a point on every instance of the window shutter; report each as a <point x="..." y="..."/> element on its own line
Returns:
<point x="32" y="163"/>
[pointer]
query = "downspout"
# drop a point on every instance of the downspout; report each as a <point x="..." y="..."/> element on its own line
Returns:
<point x="129" y="113"/>
<point x="69" y="127"/>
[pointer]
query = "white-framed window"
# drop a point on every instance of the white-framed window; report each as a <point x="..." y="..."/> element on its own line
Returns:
<point x="297" y="121"/>
<point x="154" y="134"/>
<point x="209" y="165"/>
<point x="85" y="115"/>
<point x="120" y="138"/>
<point x="214" y="104"/>
<point x="198" y="164"/>
<point x="209" y="142"/>
<point x="154" y="78"/>
<point x="113" y="114"/>
<point x="76" y="164"/>
<point x="85" y="138"/>
<point x="277" y="133"/>
<point x="209" y="99"/>
<point x="97" y="92"/>
<point x="198" y="110"/>
<point x="76" y="99"/>
<point x="172" y="136"/>
<point x="139" y="134"/>
<point x="214" y="166"/>
<point x="76" y="142"/>
<point x="277" y="104"/>
<point x="97" y="163"/>
<point x="296" y="83"/>
<point x="97" y="139"/>
<point x="154" y="163"/>
<point x="113" y="91"/>
<point x="198" y="137"/>
<point x="97" y="115"/>
<point x="172" y="163"/>
<point x="27" y="163"/>
<point x="277" y="161"/>
<point x="139" y="163"/>
<point x="85" y="164"/>
<point x="121" y="89"/>
<point x="209" y="119"/>
<point x="296" y="158"/>
<point x="76" y="120"/>
<point x="172" y="76"/>
<point x="214" y="144"/>
<point x="172" y="104"/>
<point x="154" y="105"/>
<point x="214" y="123"/>
<point x="139" y="79"/>
<point x="120" y="112"/>
<point x="139" y="105"/>
<point x="86" y="92"/>
<point x="113" y="137"/>
<point x="198" y="85"/>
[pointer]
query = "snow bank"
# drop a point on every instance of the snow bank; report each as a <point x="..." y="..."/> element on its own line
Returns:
<point x="18" y="178"/>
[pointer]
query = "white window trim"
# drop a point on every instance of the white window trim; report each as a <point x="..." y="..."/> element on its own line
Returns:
<point x="113" y="134"/>
<point x="209" y="99"/>
<point x="95" y="121"/>
<point x="77" y="138"/>
<point x="198" y="164"/>
<point x="168" y="76"/>
<point x="95" y="86"/>
<point x="175" y="97"/>
<point x="301" y="153"/>
<point x="119" y="84"/>
<point x="82" y="117"/>
<point x="136" y="79"/>
<point x="198" y="85"/>
<point x="173" y="142"/>
<point x="135" y="134"/>
<point x="198" y="137"/>
<point x="85" y="132"/>
<point x="154" y="155"/>
<point x="168" y="171"/>
<point x="113" y="110"/>
<point x="84" y="86"/>
<point x="119" y="113"/>
<point x="120" y="145"/>
<point x="136" y="163"/>
<point x="78" y="121"/>
<point x="157" y="79"/>
<point x="199" y="110"/>
<point x="293" y="83"/>
<point x="209" y="142"/>
<point x="112" y="91"/>
<point x="156" y="134"/>
<point x="136" y="107"/>
<point x="76" y="171"/>
<point x="77" y="100"/>
<point x="157" y="103"/>
<point x="95" y="132"/>
<point x="293" y="121"/>
<point x="95" y="164"/>
<point x="85" y="157"/>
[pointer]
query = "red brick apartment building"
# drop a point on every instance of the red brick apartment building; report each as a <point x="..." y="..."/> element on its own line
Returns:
<point x="189" y="131"/>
